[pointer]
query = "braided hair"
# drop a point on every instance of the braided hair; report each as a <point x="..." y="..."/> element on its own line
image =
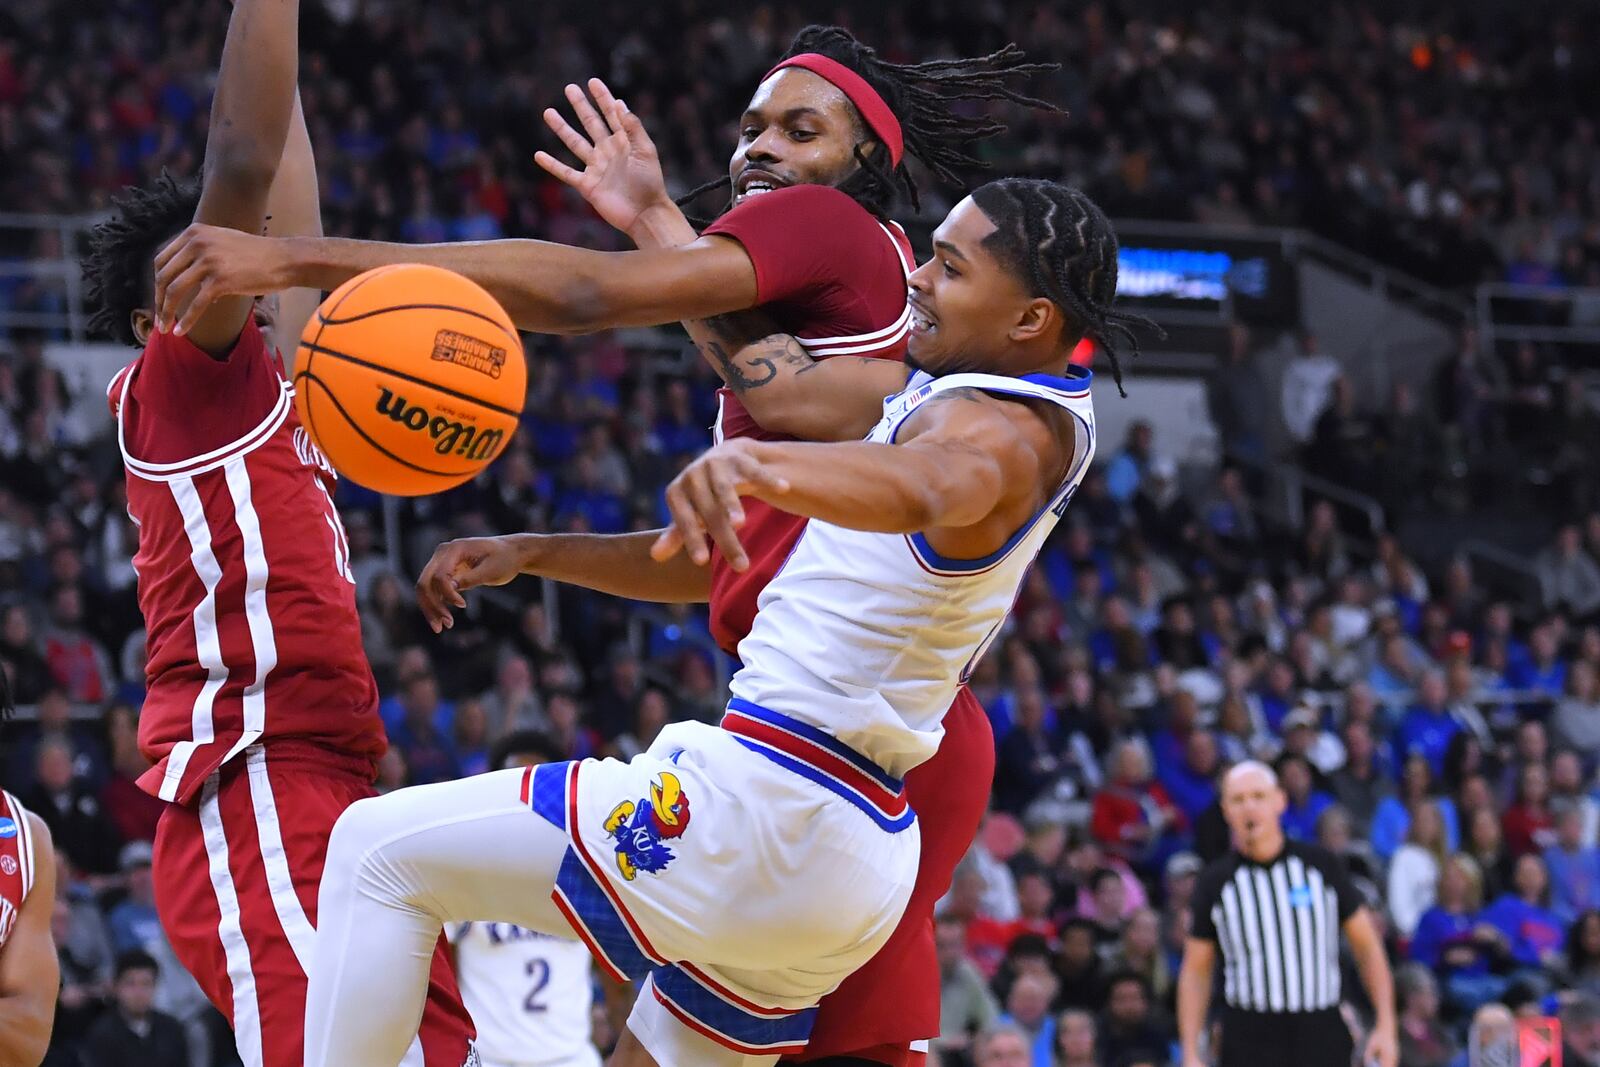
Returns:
<point x="1061" y="245"/>
<point x="119" y="264"/>
<point x="920" y="95"/>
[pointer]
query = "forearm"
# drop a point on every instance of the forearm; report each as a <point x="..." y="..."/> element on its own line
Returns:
<point x="881" y="488"/>
<point x="616" y="564"/>
<point x="1194" y="999"/>
<point x="250" y="112"/>
<point x="294" y="209"/>
<point x="1379" y="984"/>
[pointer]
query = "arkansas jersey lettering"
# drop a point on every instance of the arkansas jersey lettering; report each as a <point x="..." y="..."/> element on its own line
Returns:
<point x="16" y="862"/>
<point x="243" y="564"/>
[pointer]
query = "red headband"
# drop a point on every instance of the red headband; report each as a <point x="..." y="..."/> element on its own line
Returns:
<point x="873" y="109"/>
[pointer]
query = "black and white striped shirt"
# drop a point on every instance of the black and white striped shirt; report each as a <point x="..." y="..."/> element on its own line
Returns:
<point x="1278" y="926"/>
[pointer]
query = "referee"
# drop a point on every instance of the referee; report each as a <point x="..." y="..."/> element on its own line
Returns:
<point x="1275" y="908"/>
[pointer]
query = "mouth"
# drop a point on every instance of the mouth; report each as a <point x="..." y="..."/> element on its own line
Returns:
<point x="922" y="322"/>
<point x="753" y="181"/>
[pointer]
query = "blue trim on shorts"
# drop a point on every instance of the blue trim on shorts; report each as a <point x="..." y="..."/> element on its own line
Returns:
<point x="594" y="908"/>
<point x="819" y="737"/>
<point x="833" y="785"/>
<point x="549" y="792"/>
<point x="717" y="1013"/>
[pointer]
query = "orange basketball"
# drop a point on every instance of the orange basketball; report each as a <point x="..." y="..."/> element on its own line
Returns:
<point x="410" y="378"/>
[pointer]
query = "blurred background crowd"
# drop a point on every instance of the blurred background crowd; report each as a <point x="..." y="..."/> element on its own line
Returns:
<point x="1437" y="728"/>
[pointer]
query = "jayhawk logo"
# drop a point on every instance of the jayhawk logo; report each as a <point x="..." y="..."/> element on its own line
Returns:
<point x="641" y="831"/>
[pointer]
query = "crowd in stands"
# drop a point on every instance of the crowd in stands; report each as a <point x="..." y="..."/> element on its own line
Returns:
<point x="1455" y="141"/>
<point x="1443" y="737"/>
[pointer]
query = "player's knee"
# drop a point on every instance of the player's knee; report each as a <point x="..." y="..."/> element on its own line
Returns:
<point x="363" y="850"/>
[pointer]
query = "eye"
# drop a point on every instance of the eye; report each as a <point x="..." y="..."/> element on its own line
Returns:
<point x="949" y="271"/>
<point x="750" y="133"/>
<point x="803" y="135"/>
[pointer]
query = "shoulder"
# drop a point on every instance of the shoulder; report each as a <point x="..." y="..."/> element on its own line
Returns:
<point x="1214" y="876"/>
<point x="1314" y="855"/>
<point x="816" y="214"/>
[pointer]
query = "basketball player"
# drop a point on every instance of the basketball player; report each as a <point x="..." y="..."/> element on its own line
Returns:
<point x="748" y="869"/>
<point x="530" y="993"/>
<point x="30" y="975"/>
<point x="261" y="717"/>
<point x="830" y="270"/>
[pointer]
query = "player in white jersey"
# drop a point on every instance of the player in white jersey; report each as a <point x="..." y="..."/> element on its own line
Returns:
<point x="530" y="993"/>
<point x="744" y="870"/>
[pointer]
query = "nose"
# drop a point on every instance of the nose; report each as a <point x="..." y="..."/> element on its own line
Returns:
<point x="921" y="277"/>
<point x="767" y="146"/>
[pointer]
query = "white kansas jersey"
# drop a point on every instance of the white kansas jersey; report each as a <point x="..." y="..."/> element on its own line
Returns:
<point x="529" y="994"/>
<point x="867" y="636"/>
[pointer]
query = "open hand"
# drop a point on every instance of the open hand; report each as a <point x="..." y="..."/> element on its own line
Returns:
<point x="621" y="176"/>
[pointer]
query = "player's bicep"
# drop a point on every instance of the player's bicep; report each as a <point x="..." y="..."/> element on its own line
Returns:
<point x="978" y="456"/>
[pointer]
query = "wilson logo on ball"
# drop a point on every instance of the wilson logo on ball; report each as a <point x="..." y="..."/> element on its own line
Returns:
<point x="468" y="352"/>
<point x="449" y="435"/>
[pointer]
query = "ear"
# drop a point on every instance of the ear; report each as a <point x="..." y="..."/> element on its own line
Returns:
<point x="1038" y="318"/>
<point x="143" y="323"/>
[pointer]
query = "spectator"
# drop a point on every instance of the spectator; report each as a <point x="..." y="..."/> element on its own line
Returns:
<point x="133" y="811"/>
<point x="513" y="704"/>
<point x="1428" y="728"/>
<point x="1583" y="953"/>
<point x="134" y="924"/>
<point x="83" y="834"/>
<point x="1076" y="1038"/>
<point x="84" y="954"/>
<point x="1303" y="737"/>
<point x="133" y="1032"/>
<point x="1133" y="817"/>
<point x="1567" y="787"/>
<point x="1306" y="803"/>
<point x="1139" y="951"/>
<point x="1360" y="785"/>
<point x="1129" y="1025"/>
<point x="1336" y="833"/>
<point x="1453" y="940"/>
<point x="1078" y="966"/>
<point x="1028" y="1009"/>
<point x="1003" y="1045"/>
<point x="1574" y="866"/>
<point x="471" y="739"/>
<point x="966" y="1007"/>
<point x="1127" y="468"/>
<point x="1393" y="817"/>
<point x="1424" y="1041"/>
<point x="78" y="663"/>
<point x="1190" y="779"/>
<point x="1576" y="719"/>
<point x="1569" y="577"/>
<point x="1528" y="824"/>
<point x="20" y="652"/>
<point x="429" y="753"/>
<point x="1237" y="397"/>
<point x="1535" y="936"/>
<point x="1580" y="1030"/>
<point x="1485" y="843"/>
<point x="1307" y="388"/>
<point x="1027" y="762"/>
<point x="1414" y="871"/>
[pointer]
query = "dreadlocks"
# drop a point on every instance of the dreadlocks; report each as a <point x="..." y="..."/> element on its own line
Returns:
<point x="1062" y="246"/>
<point x="119" y="265"/>
<point x="920" y="95"/>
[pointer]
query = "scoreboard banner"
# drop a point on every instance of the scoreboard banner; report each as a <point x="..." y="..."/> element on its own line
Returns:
<point x="1205" y="274"/>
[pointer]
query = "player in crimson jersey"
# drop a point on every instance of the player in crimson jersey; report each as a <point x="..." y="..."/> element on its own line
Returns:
<point x="261" y="716"/>
<point x="30" y="975"/>
<point x="807" y="241"/>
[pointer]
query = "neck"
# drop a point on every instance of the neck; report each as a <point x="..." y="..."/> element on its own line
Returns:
<point x="1265" y="848"/>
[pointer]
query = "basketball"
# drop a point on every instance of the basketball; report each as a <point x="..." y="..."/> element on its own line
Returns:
<point x="410" y="378"/>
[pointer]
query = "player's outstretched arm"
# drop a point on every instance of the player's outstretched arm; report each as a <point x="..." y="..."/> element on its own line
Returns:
<point x="249" y="124"/>
<point x="765" y="367"/>
<point x="29" y="972"/>
<point x="294" y="209"/>
<point x="545" y="287"/>
<point x="964" y="472"/>
<point x="617" y="564"/>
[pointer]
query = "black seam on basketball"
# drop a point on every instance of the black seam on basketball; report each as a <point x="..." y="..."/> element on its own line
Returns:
<point x="419" y="307"/>
<point x="356" y="426"/>
<point x="323" y="321"/>
<point x="414" y="379"/>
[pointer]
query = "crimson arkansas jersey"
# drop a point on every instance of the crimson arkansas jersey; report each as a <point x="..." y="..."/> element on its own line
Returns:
<point x="833" y="276"/>
<point x="16" y="862"/>
<point x="244" y="570"/>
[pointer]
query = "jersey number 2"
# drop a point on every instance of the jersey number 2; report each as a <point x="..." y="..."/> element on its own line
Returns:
<point x="539" y="971"/>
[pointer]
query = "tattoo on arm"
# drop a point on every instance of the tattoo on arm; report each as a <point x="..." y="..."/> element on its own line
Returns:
<point x="746" y="348"/>
<point x="734" y="371"/>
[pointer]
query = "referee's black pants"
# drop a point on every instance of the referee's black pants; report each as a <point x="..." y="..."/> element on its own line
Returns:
<point x="1289" y="1039"/>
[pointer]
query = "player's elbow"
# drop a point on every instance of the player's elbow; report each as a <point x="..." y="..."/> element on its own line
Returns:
<point x="24" y="1043"/>
<point x="241" y="167"/>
